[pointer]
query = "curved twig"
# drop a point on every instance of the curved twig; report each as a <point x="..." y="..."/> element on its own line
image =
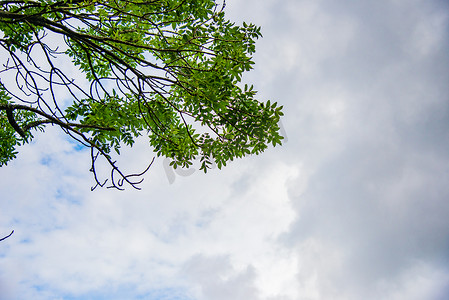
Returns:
<point x="4" y="238"/>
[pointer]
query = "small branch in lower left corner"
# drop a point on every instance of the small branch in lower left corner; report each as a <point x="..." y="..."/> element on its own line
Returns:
<point x="7" y="236"/>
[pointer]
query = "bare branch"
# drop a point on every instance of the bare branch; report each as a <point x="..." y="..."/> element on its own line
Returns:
<point x="4" y="238"/>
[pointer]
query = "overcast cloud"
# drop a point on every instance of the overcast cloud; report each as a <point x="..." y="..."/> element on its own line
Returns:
<point x="355" y="205"/>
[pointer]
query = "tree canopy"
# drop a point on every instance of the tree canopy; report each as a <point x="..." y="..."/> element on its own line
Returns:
<point x="170" y="70"/>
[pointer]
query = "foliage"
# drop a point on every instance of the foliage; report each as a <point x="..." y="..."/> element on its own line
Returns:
<point x="167" y="69"/>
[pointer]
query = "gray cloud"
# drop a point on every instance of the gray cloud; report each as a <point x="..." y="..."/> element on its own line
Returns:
<point x="378" y="192"/>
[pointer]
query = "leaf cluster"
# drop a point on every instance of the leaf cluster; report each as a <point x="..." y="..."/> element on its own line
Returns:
<point x="167" y="69"/>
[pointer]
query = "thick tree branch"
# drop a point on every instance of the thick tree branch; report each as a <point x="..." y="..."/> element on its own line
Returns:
<point x="13" y="123"/>
<point x="9" y="108"/>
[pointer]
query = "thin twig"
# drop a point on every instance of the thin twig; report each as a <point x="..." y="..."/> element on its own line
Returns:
<point x="7" y="236"/>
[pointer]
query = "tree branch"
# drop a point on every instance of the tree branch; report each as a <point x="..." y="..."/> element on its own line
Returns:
<point x="7" y="236"/>
<point x="12" y="121"/>
<point x="50" y="119"/>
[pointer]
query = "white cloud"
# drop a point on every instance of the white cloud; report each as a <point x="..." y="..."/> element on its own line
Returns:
<point x="218" y="280"/>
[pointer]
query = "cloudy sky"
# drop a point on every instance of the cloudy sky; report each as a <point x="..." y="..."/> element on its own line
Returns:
<point x="355" y="205"/>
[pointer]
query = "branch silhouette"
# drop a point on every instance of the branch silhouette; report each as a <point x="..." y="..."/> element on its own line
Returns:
<point x="4" y="238"/>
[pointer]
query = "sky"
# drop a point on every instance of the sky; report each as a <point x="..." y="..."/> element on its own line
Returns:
<point x="354" y="205"/>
